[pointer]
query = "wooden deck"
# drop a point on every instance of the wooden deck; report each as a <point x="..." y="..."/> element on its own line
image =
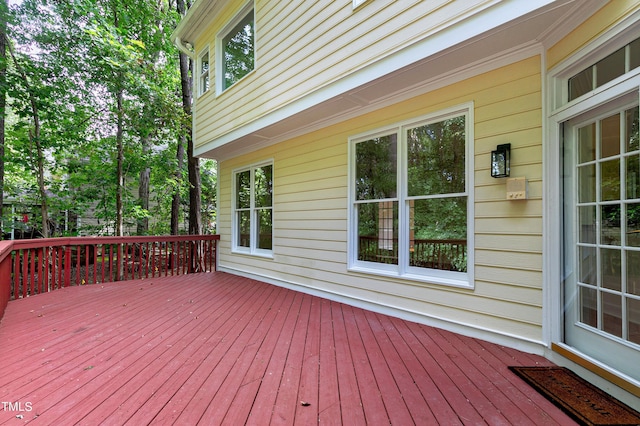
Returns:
<point x="213" y="348"/>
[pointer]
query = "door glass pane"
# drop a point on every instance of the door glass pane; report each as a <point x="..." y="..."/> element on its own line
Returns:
<point x="633" y="272"/>
<point x="611" y="269"/>
<point x="610" y="218"/>
<point x="588" y="265"/>
<point x="589" y="306"/>
<point x="610" y="180"/>
<point x="587" y="184"/>
<point x="376" y="168"/>
<point x="612" y="314"/>
<point x="633" y="309"/>
<point x="632" y="128"/>
<point x="633" y="225"/>
<point x="587" y="143"/>
<point x="439" y="237"/>
<point x="587" y="224"/>
<point x="633" y="176"/>
<point x="610" y="136"/>
<point x="378" y="232"/>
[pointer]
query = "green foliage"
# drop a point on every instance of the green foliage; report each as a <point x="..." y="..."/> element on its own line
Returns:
<point x="76" y="55"/>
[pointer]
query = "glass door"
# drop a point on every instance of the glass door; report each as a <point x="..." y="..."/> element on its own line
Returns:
<point x="601" y="224"/>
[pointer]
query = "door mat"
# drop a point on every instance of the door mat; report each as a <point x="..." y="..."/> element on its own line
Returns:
<point x="581" y="400"/>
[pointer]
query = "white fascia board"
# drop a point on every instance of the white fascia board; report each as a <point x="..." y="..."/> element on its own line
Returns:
<point x="464" y="28"/>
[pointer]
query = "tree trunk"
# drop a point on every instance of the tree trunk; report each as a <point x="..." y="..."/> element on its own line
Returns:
<point x="175" y="203"/>
<point x="120" y="164"/>
<point x="143" y="199"/>
<point x="3" y="95"/>
<point x="34" y="137"/>
<point x="195" y="217"/>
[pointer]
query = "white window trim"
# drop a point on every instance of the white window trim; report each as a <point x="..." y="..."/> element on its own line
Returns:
<point x="200" y="89"/>
<point x="252" y="249"/>
<point x="220" y="48"/>
<point x="403" y="271"/>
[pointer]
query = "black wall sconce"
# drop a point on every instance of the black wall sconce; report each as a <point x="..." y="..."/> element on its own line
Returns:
<point x="501" y="161"/>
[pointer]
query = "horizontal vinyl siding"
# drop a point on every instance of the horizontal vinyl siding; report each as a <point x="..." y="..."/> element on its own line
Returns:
<point x="310" y="213"/>
<point x="302" y="46"/>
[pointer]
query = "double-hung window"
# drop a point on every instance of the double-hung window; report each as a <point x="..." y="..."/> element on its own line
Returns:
<point x="236" y="49"/>
<point x="203" y="72"/>
<point x="410" y="199"/>
<point x="253" y="209"/>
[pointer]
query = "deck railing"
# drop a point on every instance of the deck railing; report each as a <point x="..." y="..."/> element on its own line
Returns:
<point x="29" y="267"/>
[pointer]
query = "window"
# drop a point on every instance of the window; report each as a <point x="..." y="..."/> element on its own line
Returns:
<point x="613" y="66"/>
<point x="410" y="204"/>
<point x="236" y="52"/>
<point x="253" y="209"/>
<point x="203" y="68"/>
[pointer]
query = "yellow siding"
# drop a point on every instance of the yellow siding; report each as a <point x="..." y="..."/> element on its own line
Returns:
<point x="333" y="45"/>
<point x="311" y="208"/>
<point x="590" y="29"/>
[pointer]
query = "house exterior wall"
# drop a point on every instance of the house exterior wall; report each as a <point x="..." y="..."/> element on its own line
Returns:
<point x="304" y="46"/>
<point x="311" y="209"/>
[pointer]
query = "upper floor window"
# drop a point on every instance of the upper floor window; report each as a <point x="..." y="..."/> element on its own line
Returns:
<point x="410" y="200"/>
<point x="253" y="209"/>
<point x="203" y="69"/>
<point x="613" y="66"/>
<point x="236" y="53"/>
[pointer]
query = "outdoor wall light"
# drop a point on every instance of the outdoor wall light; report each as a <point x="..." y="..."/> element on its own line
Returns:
<point x="501" y="161"/>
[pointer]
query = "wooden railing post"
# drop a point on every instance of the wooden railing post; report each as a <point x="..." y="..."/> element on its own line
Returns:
<point x="67" y="266"/>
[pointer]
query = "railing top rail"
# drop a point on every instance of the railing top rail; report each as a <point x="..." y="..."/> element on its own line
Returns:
<point x="7" y="246"/>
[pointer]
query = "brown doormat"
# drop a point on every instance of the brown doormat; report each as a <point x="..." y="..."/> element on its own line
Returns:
<point x="587" y="404"/>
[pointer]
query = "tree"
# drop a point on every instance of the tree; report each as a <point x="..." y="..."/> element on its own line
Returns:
<point x="3" y="93"/>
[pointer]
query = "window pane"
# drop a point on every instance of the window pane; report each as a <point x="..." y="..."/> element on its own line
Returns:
<point x="610" y="67"/>
<point x="610" y="218"/>
<point x="610" y="175"/>
<point x="265" y="229"/>
<point x="610" y="136"/>
<point x="376" y="168"/>
<point x="635" y="54"/>
<point x="264" y="186"/>
<point x="436" y="158"/>
<point x="581" y="83"/>
<point x="243" y="190"/>
<point x="244" y="226"/>
<point x="204" y="73"/>
<point x="632" y="132"/>
<point x="587" y="143"/>
<point x="378" y="232"/>
<point x="439" y="233"/>
<point x="611" y="269"/>
<point x="239" y="51"/>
